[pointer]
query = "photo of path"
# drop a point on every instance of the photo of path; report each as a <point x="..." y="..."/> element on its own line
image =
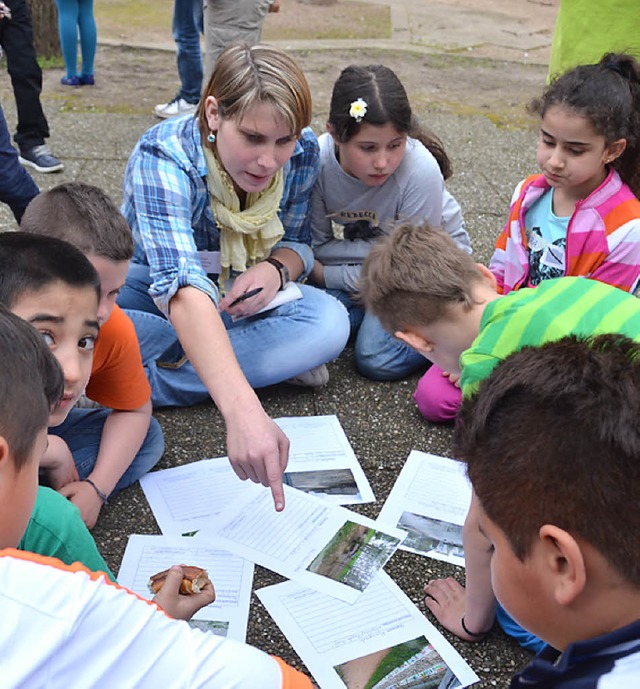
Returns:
<point x="413" y="664"/>
<point x="354" y="555"/>
<point x="428" y="535"/>
<point x="323" y="482"/>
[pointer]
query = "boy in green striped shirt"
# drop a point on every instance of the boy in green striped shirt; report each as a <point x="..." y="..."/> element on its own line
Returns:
<point x="432" y="296"/>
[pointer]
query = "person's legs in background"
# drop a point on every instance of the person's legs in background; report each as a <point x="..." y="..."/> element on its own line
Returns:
<point x="74" y="16"/>
<point x="16" y="39"/>
<point x="88" y="41"/>
<point x="16" y="186"/>
<point x="68" y="30"/>
<point x="227" y="21"/>
<point x="186" y="29"/>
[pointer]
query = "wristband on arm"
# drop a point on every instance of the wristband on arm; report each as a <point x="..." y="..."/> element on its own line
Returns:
<point x="475" y="635"/>
<point x="103" y="496"/>
<point x="283" y="271"/>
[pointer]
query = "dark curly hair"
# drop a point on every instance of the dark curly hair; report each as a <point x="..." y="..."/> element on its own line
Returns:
<point x="608" y="95"/>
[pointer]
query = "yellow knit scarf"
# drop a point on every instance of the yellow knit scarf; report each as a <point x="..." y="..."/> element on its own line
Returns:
<point x="246" y="236"/>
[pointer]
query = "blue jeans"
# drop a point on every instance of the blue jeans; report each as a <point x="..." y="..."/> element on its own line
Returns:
<point x="378" y="355"/>
<point x="82" y="431"/>
<point x="271" y="347"/>
<point x="186" y="29"/>
<point x="16" y="186"/>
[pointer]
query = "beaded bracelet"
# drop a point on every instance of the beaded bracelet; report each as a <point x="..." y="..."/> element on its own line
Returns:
<point x="103" y="496"/>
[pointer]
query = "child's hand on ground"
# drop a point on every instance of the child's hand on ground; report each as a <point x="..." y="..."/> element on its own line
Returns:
<point x="83" y="495"/>
<point x="178" y="606"/>
<point x="454" y="378"/>
<point x="445" y="598"/>
<point x="58" y="463"/>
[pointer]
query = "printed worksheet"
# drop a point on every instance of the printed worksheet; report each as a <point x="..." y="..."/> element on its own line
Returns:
<point x="183" y="498"/>
<point x="429" y="501"/>
<point x="380" y="641"/>
<point x="232" y="578"/>
<point x="324" y="546"/>
<point x="321" y="462"/>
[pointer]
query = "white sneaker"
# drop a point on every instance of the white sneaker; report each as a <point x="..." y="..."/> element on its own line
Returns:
<point x="175" y="107"/>
<point x="314" y="378"/>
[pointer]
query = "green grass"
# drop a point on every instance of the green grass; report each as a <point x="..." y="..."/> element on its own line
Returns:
<point x="118" y="16"/>
<point x="396" y="656"/>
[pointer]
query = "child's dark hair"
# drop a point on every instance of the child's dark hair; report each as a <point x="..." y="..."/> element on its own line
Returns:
<point x="31" y="383"/>
<point x="30" y="262"/>
<point x="607" y="94"/>
<point x="82" y="215"/>
<point x="386" y="100"/>
<point x="552" y="437"/>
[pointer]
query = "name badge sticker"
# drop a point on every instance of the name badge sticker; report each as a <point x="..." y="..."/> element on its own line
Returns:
<point x="210" y="262"/>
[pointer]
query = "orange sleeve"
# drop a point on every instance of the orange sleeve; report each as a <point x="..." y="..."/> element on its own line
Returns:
<point x="118" y="380"/>
<point x="292" y="679"/>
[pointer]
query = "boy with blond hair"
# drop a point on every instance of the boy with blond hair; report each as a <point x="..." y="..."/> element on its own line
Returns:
<point x="115" y="444"/>
<point x="64" y="626"/>
<point x="432" y="296"/>
<point x="552" y="446"/>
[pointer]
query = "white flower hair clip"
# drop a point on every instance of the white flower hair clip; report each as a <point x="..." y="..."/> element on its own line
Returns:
<point x="358" y="109"/>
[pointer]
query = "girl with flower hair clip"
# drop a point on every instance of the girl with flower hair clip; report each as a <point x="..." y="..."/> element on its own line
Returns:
<point x="377" y="166"/>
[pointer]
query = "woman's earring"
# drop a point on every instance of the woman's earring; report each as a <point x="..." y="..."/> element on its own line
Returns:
<point x="211" y="138"/>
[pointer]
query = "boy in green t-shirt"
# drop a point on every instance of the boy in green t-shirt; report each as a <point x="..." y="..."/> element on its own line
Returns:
<point x="435" y="298"/>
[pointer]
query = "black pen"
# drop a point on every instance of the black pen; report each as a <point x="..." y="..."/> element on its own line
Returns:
<point x="246" y="295"/>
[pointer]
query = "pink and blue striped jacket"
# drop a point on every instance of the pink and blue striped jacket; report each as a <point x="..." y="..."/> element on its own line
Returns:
<point x="603" y="236"/>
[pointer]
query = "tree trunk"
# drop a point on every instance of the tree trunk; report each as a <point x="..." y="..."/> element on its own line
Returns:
<point x="45" y="28"/>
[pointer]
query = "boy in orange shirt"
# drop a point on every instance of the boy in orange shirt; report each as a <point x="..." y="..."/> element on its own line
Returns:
<point x="112" y="446"/>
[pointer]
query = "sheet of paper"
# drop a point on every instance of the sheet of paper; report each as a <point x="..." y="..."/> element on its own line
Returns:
<point x="430" y="500"/>
<point x="291" y="292"/>
<point x="232" y="578"/>
<point x="183" y="498"/>
<point x="321" y="545"/>
<point x="380" y="641"/>
<point x="322" y="461"/>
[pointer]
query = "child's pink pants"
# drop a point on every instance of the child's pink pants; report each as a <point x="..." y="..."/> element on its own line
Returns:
<point x="438" y="400"/>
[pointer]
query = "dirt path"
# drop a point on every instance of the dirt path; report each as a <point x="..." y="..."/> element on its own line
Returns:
<point x="133" y="80"/>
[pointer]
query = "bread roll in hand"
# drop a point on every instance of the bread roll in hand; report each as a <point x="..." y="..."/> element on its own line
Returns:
<point x="193" y="581"/>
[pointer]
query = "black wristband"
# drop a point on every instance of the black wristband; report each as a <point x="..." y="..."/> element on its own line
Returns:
<point x="103" y="496"/>
<point x="283" y="271"/>
<point x="477" y="635"/>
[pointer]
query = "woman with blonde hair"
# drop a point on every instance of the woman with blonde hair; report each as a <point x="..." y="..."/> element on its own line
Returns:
<point x="218" y="205"/>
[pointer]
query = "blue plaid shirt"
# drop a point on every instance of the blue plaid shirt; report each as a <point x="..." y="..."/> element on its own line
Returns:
<point x="166" y="203"/>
